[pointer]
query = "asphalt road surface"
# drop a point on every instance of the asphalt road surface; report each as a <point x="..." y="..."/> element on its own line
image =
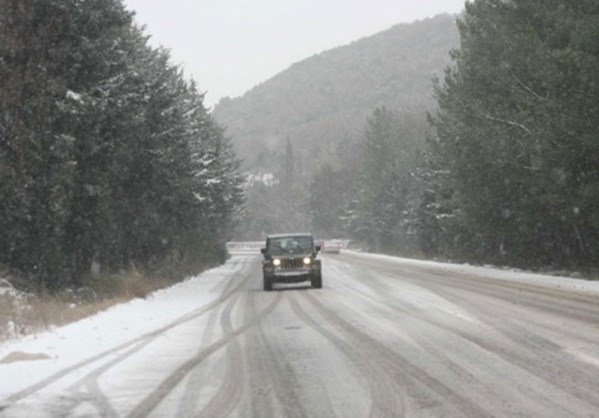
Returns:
<point x="383" y="338"/>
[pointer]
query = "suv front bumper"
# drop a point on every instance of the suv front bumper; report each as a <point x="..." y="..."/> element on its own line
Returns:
<point x="286" y="275"/>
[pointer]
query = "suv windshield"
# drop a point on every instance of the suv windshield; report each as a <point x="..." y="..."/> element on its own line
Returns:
<point x="283" y="245"/>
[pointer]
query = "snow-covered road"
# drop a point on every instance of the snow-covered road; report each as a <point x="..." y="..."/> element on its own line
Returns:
<point x="385" y="337"/>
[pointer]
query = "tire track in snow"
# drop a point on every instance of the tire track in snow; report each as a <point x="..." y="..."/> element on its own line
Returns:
<point x="229" y="394"/>
<point x="384" y="396"/>
<point x="147" y="405"/>
<point x="527" y="350"/>
<point x="137" y="344"/>
<point x="506" y="316"/>
<point x="275" y="387"/>
<point x="559" y="301"/>
<point x="417" y="382"/>
<point x="260" y="389"/>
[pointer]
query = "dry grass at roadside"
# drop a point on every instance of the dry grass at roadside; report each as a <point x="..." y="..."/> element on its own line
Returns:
<point x="25" y="314"/>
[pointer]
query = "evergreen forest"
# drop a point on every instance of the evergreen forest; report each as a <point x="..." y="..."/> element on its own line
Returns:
<point x="108" y="158"/>
<point x="513" y="167"/>
<point x="472" y="138"/>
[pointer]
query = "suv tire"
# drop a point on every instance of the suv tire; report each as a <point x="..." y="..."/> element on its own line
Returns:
<point x="316" y="282"/>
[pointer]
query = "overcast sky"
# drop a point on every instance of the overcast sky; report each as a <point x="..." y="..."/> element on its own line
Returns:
<point x="229" y="46"/>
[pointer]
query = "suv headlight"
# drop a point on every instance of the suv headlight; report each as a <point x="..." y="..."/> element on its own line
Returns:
<point x="307" y="260"/>
<point x="276" y="262"/>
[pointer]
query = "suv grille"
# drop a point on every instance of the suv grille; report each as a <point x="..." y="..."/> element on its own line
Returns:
<point x="292" y="263"/>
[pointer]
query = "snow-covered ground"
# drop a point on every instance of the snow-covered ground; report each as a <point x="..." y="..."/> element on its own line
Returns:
<point x="121" y="323"/>
<point x="512" y="275"/>
<point x="446" y="322"/>
<point x="75" y="342"/>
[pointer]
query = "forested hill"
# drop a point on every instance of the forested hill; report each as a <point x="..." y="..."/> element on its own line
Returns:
<point x="326" y="98"/>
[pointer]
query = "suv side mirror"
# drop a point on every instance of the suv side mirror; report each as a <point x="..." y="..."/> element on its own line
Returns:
<point x="263" y="250"/>
<point x="317" y="248"/>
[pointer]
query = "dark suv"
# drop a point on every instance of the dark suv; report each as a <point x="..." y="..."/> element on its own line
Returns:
<point x="291" y="258"/>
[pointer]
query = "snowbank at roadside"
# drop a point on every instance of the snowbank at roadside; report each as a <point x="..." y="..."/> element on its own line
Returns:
<point x="75" y="342"/>
<point x="554" y="282"/>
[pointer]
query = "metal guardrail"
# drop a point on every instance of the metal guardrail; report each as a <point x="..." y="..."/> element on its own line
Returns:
<point x="245" y="247"/>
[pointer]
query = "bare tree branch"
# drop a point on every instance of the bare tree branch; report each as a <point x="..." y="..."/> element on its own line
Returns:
<point x="508" y="122"/>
